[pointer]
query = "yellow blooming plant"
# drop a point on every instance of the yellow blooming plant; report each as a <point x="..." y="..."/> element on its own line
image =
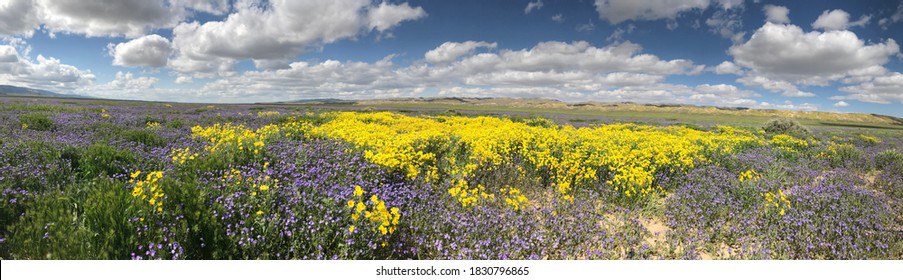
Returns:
<point x="749" y="175"/>
<point x="776" y="202"/>
<point x="372" y="213"/>
<point x="229" y="137"/>
<point x="153" y="125"/>
<point x="454" y="147"/>
<point x="264" y="114"/>
<point x="148" y="189"/>
<point x="180" y="156"/>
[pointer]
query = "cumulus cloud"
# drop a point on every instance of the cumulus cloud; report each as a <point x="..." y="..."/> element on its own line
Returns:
<point x="559" y="18"/>
<point x="450" y="51"/>
<point x="838" y="20"/>
<point x="616" y="11"/>
<point x="215" y="7"/>
<point x="132" y="18"/>
<point x="568" y="71"/>
<point x="776" y="14"/>
<point x="184" y="80"/>
<point x="42" y="73"/>
<point x="841" y="104"/>
<point x="279" y="30"/>
<point x="783" y="87"/>
<point x="727" y="67"/>
<point x="18" y="17"/>
<point x="148" y="51"/>
<point x="533" y="5"/>
<point x="884" y="89"/>
<point x="786" y="52"/>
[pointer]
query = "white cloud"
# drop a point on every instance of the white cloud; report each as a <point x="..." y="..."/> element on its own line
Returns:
<point x="18" y="17"/>
<point x="215" y="7"/>
<point x="559" y="18"/>
<point x="787" y="53"/>
<point x="618" y="34"/>
<point x="184" y="80"/>
<point x="569" y="71"/>
<point x="776" y="14"/>
<point x="279" y="31"/>
<point x="533" y="6"/>
<point x="841" y="104"/>
<point x="149" y="51"/>
<point x="616" y="11"/>
<point x="132" y="18"/>
<point x="730" y="4"/>
<point x="728" y="24"/>
<point x="129" y="83"/>
<point x="587" y="27"/>
<point x="897" y="16"/>
<point x="450" y="51"/>
<point x="387" y="16"/>
<point x="8" y="54"/>
<point x="784" y="87"/>
<point x="884" y="89"/>
<point x="838" y="20"/>
<point x="42" y="73"/>
<point x="727" y="67"/>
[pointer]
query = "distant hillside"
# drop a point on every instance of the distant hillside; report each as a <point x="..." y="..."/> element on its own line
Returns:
<point x="14" y="90"/>
<point x="613" y="108"/>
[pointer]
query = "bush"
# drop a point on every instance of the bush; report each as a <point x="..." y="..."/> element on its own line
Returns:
<point x="36" y="121"/>
<point x="842" y="155"/>
<point x="148" y="138"/>
<point x="890" y="160"/>
<point x="786" y="126"/>
<point x="86" y="221"/>
<point x="101" y="159"/>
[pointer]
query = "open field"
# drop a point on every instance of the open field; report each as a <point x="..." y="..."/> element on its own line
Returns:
<point x="452" y="179"/>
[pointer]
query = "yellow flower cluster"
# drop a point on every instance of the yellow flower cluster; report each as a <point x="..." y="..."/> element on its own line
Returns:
<point x="263" y="114"/>
<point x="629" y="153"/>
<point x="469" y="196"/>
<point x="871" y="140"/>
<point x="148" y="189"/>
<point x="788" y="143"/>
<point x="180" y="156"/>
<point x="373" y="213"/>
<point x="777" y="200"/>
<point x="235" y="137"/>
<point x="514" y="198"/>
<point x="749" y="175"/>
<point x="153" y="125"/>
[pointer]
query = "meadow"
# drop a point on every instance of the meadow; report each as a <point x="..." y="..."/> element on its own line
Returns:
<point x="93" y="179"/>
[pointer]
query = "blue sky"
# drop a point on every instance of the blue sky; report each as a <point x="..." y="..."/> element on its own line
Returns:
<point x="841" y="56"/>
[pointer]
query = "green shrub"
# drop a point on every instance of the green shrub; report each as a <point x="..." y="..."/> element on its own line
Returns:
<point x="102" y="159"/>
<point x="842" y="155"/>
<point x="36" y="121"/>
<point x="889" y="160"/>
<point x="146" y="137"/>
<point x="85" y="221"/>
<point x="786" y="126"/>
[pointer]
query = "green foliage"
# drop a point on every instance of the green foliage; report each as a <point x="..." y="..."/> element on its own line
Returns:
<point x="36" y="121"/>
<point x="143" y="136"/>
<point x="102" y="159"/>
<point x="786" y="126"/>
<point x="890" y="160"/>
<point x="842" y="155"/>
<point x="85" y="221"/>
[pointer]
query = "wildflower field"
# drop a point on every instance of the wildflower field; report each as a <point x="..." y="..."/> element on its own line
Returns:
<point x="87" y="179"/>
